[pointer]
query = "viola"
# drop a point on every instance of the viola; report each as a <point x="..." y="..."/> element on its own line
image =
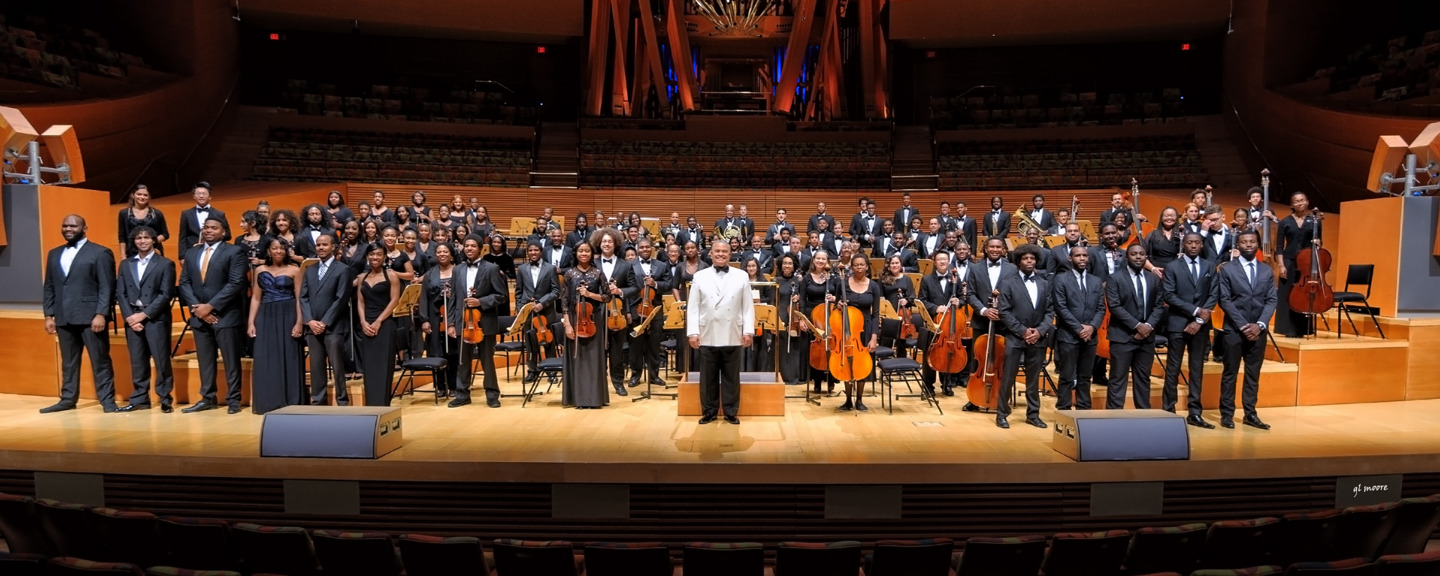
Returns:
<point x="472" y="332"/>
<point x="850" y="360"/>
<point x="907" y="323"/>
<point x="615" y="312"/>
<point x="1311" y="295"/>
<point x="985" y="384"/>
<point x="947" y="353"/>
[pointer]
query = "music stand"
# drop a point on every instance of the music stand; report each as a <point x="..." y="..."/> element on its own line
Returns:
<point x="927" y="265"/>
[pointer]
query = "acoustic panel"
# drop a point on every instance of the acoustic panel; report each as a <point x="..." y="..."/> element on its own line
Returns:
<point x="590" y="501"/>
<point x="1127" y="499"/>
<point x="88" y="489"/>
<point x="1426" y="146"/>
<point x="863" y="502"/>
<point x="63" y="149"/>
<point x="15" y="130"/>
<point x="1389" y="156"/>
<point x="322" y="497"/>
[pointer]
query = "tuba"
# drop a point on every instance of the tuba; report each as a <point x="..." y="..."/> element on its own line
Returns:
<point x="1025" y="222"/>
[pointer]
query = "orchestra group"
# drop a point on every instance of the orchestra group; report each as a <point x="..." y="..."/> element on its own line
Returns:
<point x="979" y="297"/>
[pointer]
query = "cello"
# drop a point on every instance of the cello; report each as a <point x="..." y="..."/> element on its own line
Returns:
<point x="985" y="385"/>
<point x="849" y="359"/>
<point x="947" y="353"/>
<point x="1311" y="295"/>
<point x="472" y="333"/>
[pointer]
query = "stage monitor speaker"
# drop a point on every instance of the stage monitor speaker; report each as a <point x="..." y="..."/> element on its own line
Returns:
<point x="1097" y="435"/>
<point x="1389" y="158"/>
<point x="15" y="130"/>
<point x="330" y="432"/>
<point x="1427" y="145"/>
<point x="64" y="150"/>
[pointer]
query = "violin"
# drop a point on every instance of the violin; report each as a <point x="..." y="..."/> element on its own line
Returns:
<point x="947" y="353"/>
<point x="1311" y="295"/>
<point x="543" y="335"/>
<point x="615" y="312"/>
<point x="849" y="359"/>
<point x="647" y="300"/>
<point x="984" y="387"/>
<point x="1132" y="203"/>
<point x="584" y="316"/>
<point x="472" y="333"/>
<point x="907" y="323"/>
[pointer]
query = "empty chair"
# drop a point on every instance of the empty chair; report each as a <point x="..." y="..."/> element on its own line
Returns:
<point x="1348" y="300"/>
<point x="535" y="558"/>
<point x="356" y="553"/>
<point x="422" y="555"/>
<point x="1305" y="537"/>
<point x="21" y="529"/>
<point x="1240" y="543"/>
<point x="21" y="564"/>
<point x="1350" y="567"/>
<point x="929" y="557"/>
<point x="1086" y="554"/>
<point x="1423" y="564"/>
<point x="196" y="543"/>
<point x="68" y="527"/>
<point x="68" y="566"/>
<point x="628" y="559"/>
<point x="127" y="536"/>
<point x="1000" y="556"/>
<point x="723" y="559"/>
<point x="1250" y="571"/>
<point x="817" y="559"/>
<point x="1415" y="519"/>
<point x="1361" y="530"/>
<point x="1166" y="549"/>
<point x="173" y="571"/>
<point x="274" y="549"/>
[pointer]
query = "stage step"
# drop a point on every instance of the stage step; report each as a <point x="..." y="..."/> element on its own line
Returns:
<point x="557" y="160"/>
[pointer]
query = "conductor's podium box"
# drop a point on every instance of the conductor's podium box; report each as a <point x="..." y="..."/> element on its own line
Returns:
<point x="365" y="432"/>
<point x="761" y="394"/>
<point x="1093" y="435"/>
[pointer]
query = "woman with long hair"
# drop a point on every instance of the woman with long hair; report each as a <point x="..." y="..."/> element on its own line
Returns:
<point x="339" y="214"/>
<point x="1163" y="243"/>
<point x="857" y="291"/>
<point x="814" y="289"/>
<point x="792" y="354"/>
<point x="370" y="232"/>
<point x="250" y="239"/>
<point x="584" y="283"/>
<point x="419" y="260"/>
<point x="139" y="213"/>
<point x="375" y="299"/>
<point x="395" y="258"/>
<point x="351" y="249"/>
<point x="758" y="357"/>
<point x="900" y="291"/>
<point x="274" y="323"/>
<point x="282" y="228"/>
<point x="499" y="255"/>
<point x="419" y="212"/>
<point x="439" y="295"/>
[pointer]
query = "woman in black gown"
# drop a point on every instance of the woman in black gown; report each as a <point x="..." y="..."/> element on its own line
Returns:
<point x="439" y="295"/>
<point x="900" y="291"/>
<point x="1293" y="234"/>
<point x="585" y="380"/>
<point x="141" y="213"/>
<point x="375" y="299"/>
<point x="499" y="255"/>
<point x="760" y="356"/>
<point x="814" y="289"/>
<point x="274" y="323"/>
<point x="857" y="291"/>
<point x="1163" y="243"/>
<point x="792" y="354"/>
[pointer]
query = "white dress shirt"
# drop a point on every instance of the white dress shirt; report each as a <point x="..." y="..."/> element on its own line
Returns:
<point x="67" y="256"/>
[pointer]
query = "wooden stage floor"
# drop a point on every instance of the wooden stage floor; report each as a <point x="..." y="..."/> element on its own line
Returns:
<point x="645" y="442"/>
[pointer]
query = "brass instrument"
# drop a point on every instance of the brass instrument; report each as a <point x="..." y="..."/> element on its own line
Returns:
<point x="731" y="231"/>
<point x="1209" y="191"/>
<point x="1025" y="222"/>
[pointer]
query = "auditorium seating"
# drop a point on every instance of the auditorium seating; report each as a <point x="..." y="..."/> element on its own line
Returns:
<point x="316" y="155"/>
<point x="737" y="165"/>
<point x="1232" y="548"/>
<point x="1154" y="160"/>
<point x="1405" y="67"/>
<point x="36" y="50"/>
<point x="402" y="102"/>
<point x="1056" y="108"/>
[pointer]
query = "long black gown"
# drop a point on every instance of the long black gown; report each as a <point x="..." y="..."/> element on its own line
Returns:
<point x="1290" y="239"/>
<point x="377" y="353"/>
<point x="585" y="376"/>
<point x="277" y="378"/>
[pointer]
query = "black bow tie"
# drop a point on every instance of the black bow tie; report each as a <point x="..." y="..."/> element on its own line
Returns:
<point x="606" y="260"/>
<point x="73" y="243"/>
<point x="995" y="264"/>
<point x="645" y="262"/>
<point x="720" y="268"/>
<point x="1030" y="278"/>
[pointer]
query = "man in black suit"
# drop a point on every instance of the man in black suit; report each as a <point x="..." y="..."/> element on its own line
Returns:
<point x="782" y="245"/>
<point x="964" y="225"/>
<point x="1190" y="291"/>
<point x="820" y="214"/>
<point x="692" y="233"/>
<point x="317" y="224"/>
<point x="946" y="220"/>
<point x="480" y="284"/>
<point x="747" y="224"/>
<point x="1248" y="297"/>
<point x="730" y="226"/>
<point x="212" y="284"/>
<point x="940" y="292"/>
<point x="581" y="232"/>
<point x="1032" y="237"/>
<point x="909" y="261"/>
<point x="192" y="220"/>
<point x="621" y="278"/>
<point x="647" y="271"/>
<point x="1219" y="242"/>
<point x="1133" y="297"/>
<point x="556" y="253"/>
<point x="865" y="226"/>
<point x="79" y="292"/>
<point x="781" y="224"/>
<point x="1079" y="300"/>
<point x="997" y="221"/>
<point x="325" y="294"/>
<point x="985" y="278"/>
<point x="1060" y="255"/>
<point x="1117" y="204"/>
<point x="1028" y="319"/>
<point x="763" y="255"/>
<point x="904" y="213"/>
<point x="929" y="241"/>
<point x="1039" y="214"/>
<point x="535" y="282"/>
<point x="144" y="289"/>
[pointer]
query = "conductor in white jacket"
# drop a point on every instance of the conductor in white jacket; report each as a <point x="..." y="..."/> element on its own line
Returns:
<point x="720" y="321"/>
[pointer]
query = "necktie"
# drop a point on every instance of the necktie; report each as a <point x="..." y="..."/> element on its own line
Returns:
<point x="1140" y="290"/>
<point x="1082" y="281"/>
<point x="1251" y="265"/>
<point x="323" y="268"/>
<point x="205" y="261"/>
<point x="1195" y="267"/>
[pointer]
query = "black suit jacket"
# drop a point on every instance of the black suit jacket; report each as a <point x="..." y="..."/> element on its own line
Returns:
<point x="765" y="257"/>
<point x="814" y="223"/>
<point x="1220" y="254"/>
<point x="1126" y="312"/>
<point x="1243" y="302"/>
<point x="325" y="300"/>
<point x="660" y="271"/>
<point x="88" y="290"/>
<point x="1183" y="292"/>
<point x="623" y="275"/>
<point x="223" y="287"/>
<point x="489" y="287"/>
<point x="1017" y="312"/>
<point x="1108" y="216"/>
<point x="305" y="245"/>
<point x="1060" y="259"/>
<point x="1046" y="219"/>
<point x="995" y="224"/>
<point x="773" y="232"/>
<point x="190" y="228"/>
<point x="687" y="235"/>
<point x="859" y="228"/>
<point x="150" y="294"/>
<point x="981" y="288"/>
<point x="567" y="256"/>
<point x="903" y="216"/>
<point x="967" y="230"/>
<point x="1075" y="308"/>
<point x="545" y="290"/>
<point x="932" y="296"/>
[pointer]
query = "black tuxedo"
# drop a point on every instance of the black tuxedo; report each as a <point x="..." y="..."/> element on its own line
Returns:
<point x="995" y="224"/>
<point x="1108" y="216"/>
<point x="773" y="232"/>
<point x="814" y="223"/>
<point x="490" y="288"/>
<point x="222" y="286"/>
<point x="926" y="248"/>
<point x="151" y="295"/>
<point x="543" y="290"/>
<point x="327" y="300"/>
<point x="1183" y="293"/>
<point x="1244" y="302"/>
<point x="73" y="300"/>
<point x="695" y="235"/>
<point x="1017" y="313"/>
<point x="190" y="228"/>
<point x="565" y="260"/>
<point x="1218" y="253"/>
<point x="724" y="224"/>
<point x="645" y="355"/>
<point x="577" y="236"/>
<point x="765" y="257"/>
<point x="863" y="225"/>
<point x="1128" y="355"/>
<point x="903" y="215"/>
<point x="623" y="275"/>
<point x="1046" y="219"/>
<point x="965" y="228"/>
<point x="1060" y="259"/>
<point x="909" y="261"/>
<point x="305" y="245"/>
<point x="980" y="289"/>
<point x="1075" y="358"/>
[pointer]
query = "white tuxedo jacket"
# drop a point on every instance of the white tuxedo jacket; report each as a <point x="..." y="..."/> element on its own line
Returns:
<point x="720" y="310"/>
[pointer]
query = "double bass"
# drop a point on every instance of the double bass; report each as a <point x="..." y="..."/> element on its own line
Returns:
<point x="1311" y="295"/>
<point x="985" y="384"/>
<point x="1132" y="203"/>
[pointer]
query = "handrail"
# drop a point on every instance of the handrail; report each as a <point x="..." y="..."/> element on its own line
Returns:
<point x="1248" y="138"/>
<point x="224" y="105"/>
<point x="141" y="174"/>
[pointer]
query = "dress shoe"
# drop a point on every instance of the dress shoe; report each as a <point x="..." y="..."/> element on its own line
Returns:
<point x="948" y="391"/>
<point x="1036" y="422"/>
<point x="531" y="377"/>
<point x="200" y="406"/>
<point x="732" y="419"/>
<point x="860" y="406"/>
<point x="1199" y="422"/>
<point x="968" y="407"/>
<point x="1002" y="422"/>
<point x="166" y="408"/>
<point x="634" y="382"/>
<point x="233" y="409"/>
<point x="1254" y="422"/>
<point x="661" y="382"/>
<point x="493" y="402"/>
<point x="111" y="409"/>
<point x="1227" y="423"/>
<point x="57" y="407"/>
<point x="620" y="390"/>
<point x="846" y="407"/>
<point x="708" y="418"/>
<point x="134" y="407"/>
<point x="458" y="402"/>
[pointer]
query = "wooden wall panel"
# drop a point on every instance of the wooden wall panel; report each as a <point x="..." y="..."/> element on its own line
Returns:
<point x="1370" y="233"/>
<point x="1333" y="375"/>
<point x="1424" y="363"/>
<point x="30" y="356"/>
